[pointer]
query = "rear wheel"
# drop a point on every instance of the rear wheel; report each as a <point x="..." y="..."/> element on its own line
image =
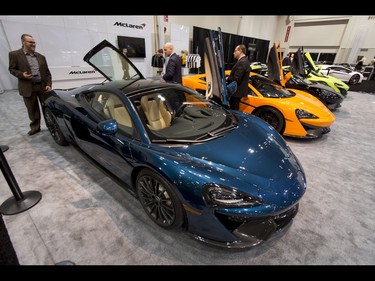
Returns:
<point x="273" y="117"/>
<point x="354" y="79"/>
<point x="53" y="128"/>
<point x="159" y="200"/>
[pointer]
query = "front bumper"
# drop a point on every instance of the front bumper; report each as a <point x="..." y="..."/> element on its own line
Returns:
<point x="252" y="231"/>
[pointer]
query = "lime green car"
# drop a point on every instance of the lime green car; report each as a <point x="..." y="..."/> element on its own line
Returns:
<point x="313" y="74"/>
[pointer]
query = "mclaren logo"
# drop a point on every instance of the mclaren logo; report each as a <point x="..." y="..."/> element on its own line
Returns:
<point x="129" y="25"/>
<point x="82" y="72"/>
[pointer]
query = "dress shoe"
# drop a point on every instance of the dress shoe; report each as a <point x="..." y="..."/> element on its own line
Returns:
<point x="33" y="132"/>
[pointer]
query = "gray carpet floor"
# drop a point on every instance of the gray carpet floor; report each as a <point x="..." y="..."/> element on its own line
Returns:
<point x="86" y="218"/>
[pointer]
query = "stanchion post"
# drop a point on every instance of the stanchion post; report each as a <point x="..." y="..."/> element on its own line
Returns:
<point x="21" y="201"/>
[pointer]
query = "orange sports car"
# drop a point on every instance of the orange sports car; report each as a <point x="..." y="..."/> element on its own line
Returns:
<point x="293" y="113"/>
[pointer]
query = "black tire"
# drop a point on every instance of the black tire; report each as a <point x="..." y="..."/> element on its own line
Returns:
<point x="354" y="79"/>
<point x="159" y="200"/>
<point x="54" y="128"/>
<point x="273" y="117"/>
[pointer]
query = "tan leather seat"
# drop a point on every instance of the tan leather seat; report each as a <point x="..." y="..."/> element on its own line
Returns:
<point x="157" y="115"/>
<point x="117" y="112"/>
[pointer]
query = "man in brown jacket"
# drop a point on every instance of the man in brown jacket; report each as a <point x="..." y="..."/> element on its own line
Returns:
<point x="34" y="78"/>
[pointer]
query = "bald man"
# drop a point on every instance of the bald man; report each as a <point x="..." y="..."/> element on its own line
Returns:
<point x="173" y="71"/>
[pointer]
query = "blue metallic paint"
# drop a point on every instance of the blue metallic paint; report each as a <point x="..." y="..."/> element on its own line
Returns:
<point x="252" y="158"/>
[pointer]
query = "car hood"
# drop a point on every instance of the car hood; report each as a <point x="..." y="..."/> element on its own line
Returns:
<point x="264" y="164"/>
<point x="264" y="155"/>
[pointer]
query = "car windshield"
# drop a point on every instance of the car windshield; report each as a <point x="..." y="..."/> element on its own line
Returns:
<point x="268" y="88"/>
<point x="177" y="115"/>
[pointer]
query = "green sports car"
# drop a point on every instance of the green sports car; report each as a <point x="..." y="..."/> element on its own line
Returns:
<point x="313" y="74"/>
<point x="304" y="66"/>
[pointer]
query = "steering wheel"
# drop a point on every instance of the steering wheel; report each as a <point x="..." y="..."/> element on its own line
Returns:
<point x="180" y="109"/>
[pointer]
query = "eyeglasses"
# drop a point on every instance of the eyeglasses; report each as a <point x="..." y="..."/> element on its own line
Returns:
<point x="30" y="42"/>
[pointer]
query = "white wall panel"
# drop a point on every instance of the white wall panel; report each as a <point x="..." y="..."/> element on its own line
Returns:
<point x="75" y="22"/>
<point x="96" y="23"/>
<point x="180" y="37"/>
<point x="50" y="20"/>
<point x="369" y="40"/>
<point x="54" y="45"/>
<point x="21" y="19"/>
<point x="317" y="35"/>
<point x="7" y="81"/>
<point x="262" y="27"/>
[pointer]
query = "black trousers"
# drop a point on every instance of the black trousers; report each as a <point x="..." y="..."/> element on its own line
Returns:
<point x="32" y="105"/>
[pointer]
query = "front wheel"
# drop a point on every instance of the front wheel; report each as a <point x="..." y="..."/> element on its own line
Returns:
<point x="273" y="117"/>
<point x="159" y="200"/>
<point x="53" y="128"/>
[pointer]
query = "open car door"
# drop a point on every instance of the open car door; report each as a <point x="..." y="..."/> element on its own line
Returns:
<point x="112" y="63"/>
<point x="298" y="64"/>
<point x="310" y="62"/>
<point x="275" y="72"/>
<point x="215" y="68"/>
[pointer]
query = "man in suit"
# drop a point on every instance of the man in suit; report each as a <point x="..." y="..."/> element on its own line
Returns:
<point x="34" y="78"/>
<point x="173" y="69"/>
<point x="239" y="73"/>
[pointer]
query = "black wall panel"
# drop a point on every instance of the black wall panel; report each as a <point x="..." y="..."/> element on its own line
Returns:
<point x="257" y="49"/>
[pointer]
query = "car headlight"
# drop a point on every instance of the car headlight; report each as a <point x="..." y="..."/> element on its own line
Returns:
<point x="220" y="196"/>
<point x="303" y="114"/>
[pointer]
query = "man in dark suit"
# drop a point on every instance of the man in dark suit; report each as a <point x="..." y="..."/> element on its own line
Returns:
<point x="173" y="69"/>
<point x="34" y="78"/>
<point x="239" y="73"/>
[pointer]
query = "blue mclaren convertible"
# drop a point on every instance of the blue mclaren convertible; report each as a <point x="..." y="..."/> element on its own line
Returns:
<point x="225" y="177"/>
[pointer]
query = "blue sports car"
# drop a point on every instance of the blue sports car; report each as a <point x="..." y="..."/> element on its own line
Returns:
<point x="226" y="177"/>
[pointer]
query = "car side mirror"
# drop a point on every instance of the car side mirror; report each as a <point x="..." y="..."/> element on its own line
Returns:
<point x="109" y="127"/>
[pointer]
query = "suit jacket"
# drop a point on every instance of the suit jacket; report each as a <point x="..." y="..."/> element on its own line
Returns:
<point x="240" y="73"/>
<point x="18" y="64"/>
<point x="173" y="70"/>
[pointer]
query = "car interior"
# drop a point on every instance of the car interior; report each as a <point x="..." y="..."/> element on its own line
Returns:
<point x="157" y="115"/>
<point x="116" y="110"/>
